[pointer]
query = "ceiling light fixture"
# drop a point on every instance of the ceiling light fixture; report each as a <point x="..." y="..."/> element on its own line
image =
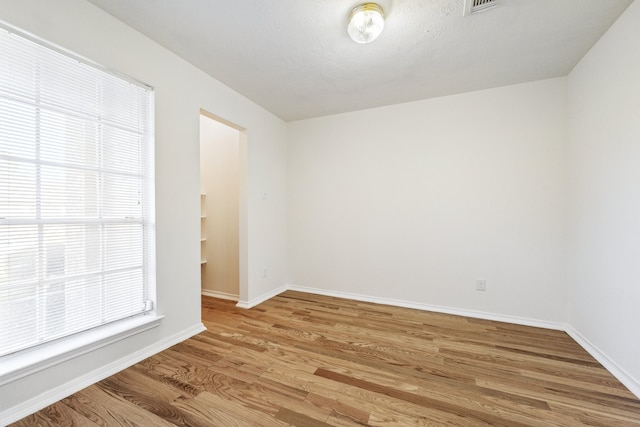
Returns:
<point x="366" y="22"/>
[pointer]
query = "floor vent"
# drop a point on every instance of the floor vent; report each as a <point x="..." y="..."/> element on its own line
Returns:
<point x="475" y="6"/>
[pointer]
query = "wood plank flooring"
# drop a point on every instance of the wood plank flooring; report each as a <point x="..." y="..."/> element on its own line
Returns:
<point x="308" y="360"/>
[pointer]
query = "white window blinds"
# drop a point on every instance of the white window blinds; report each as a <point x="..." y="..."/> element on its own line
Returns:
<point x="76" y="195"/>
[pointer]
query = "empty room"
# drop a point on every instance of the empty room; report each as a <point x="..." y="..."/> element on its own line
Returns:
<point x="435" y="213"/>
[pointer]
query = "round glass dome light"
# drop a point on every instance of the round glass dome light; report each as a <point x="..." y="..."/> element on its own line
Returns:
<point x="366" y="22"/>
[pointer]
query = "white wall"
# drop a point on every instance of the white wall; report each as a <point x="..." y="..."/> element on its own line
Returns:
<point x="410" y="202"/>
<point x="604" y="197"/>
<point x="414" y="202"/>
<point x="220" y="184"/>
<point x="181" y="91"/>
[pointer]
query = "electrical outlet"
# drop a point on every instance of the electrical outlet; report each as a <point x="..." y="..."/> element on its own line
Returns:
<point x="264" y="272"/>
<point x="481" y="285"/>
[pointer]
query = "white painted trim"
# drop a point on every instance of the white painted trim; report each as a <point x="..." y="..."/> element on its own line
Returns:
<point x="627" y="380"/>
<point x="26" y="362"/>
<point x="221" y="295"/>
<point x="262" y="298"/>
<point x="33" y="405"/>
<point x="435" y="308"/>
<point x="45" y="399"/>
<point x="623" y="376"/>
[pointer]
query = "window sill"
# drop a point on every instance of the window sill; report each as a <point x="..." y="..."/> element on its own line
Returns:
<point x="26" y="362"/>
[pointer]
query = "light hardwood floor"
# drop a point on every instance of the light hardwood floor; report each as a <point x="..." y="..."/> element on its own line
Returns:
<point x="307" y="360"/>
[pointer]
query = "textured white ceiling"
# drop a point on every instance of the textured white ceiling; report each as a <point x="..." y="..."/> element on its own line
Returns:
<point x="294" y="57"/>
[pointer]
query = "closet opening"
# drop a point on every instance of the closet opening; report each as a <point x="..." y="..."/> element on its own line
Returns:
<point x="222" y="208"/>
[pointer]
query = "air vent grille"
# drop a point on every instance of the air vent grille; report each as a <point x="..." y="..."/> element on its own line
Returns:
<point x="474" y="6"/>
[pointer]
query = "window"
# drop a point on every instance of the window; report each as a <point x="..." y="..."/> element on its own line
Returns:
<point x="77" y="232"/>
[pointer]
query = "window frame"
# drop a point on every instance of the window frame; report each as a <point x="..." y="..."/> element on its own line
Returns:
<point x="30" y="360"/>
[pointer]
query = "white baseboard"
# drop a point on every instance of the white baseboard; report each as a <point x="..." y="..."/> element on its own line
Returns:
<point x="627" y="380"/>
<point x="261" y="298"/>
<point x="435" y="308"/>
<point x="221" y="295"/>
<point x="49" y="397"/>
<point x="33" y="405"/>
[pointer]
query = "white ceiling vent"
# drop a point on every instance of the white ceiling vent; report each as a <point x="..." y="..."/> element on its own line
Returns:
<point x="475" y="6"/>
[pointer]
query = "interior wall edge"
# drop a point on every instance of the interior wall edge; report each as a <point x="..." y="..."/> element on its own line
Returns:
<point x="248" y="304"/>
<point x="537" y="323"/>
<point x="609" y="364"/>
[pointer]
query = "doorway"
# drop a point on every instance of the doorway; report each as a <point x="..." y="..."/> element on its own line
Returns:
<point x="221" y="188"/>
